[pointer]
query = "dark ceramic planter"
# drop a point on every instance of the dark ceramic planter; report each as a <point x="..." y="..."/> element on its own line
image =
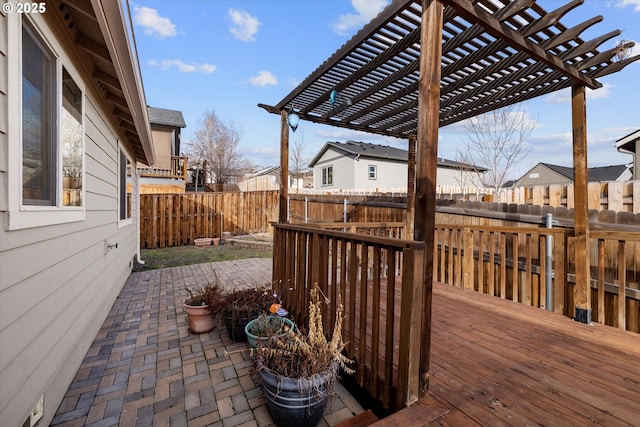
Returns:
<point x="296" y="402"/>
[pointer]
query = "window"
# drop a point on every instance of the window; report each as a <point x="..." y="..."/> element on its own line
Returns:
<point x="71" y="141"/>
<point x="373" y="172"/>
<point x="46" y="170"/>
<point x="38" y="121"/>
<point x="124" y="185"/>
<point x="327" y="175"/>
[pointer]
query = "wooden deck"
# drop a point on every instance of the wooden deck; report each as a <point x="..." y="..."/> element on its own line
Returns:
<point x="495" y="362"/>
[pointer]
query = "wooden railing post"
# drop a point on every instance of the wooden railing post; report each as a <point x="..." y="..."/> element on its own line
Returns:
<point x="411" y="312"/>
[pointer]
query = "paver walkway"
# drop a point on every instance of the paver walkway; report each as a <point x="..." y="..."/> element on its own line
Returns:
<point x="144" y="367"/>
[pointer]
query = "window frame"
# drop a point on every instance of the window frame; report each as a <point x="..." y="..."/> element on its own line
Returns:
<point x="21" y="215"/>
<point x="327" y="176"/>
<point x="375" y="172"/>
<point x="122" y="222"/>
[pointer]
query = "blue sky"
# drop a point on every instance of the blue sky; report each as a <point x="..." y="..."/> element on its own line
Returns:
<point x="228" y="56"/>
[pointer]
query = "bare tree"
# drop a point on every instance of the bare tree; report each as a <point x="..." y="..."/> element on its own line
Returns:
<point x="498" y="141"/>
<point x="297" y="160"/>
<point x="217" y="144"/>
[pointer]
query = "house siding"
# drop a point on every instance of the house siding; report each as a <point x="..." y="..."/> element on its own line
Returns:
<point x="343" y="175"/>
<point x="389" y="174"/>
<point x="448" y="177"/>
<point x="546" y="176"/>
<point x="58" y="282"/>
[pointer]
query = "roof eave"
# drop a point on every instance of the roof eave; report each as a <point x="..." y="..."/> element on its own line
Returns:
<point x="110" y="17"/>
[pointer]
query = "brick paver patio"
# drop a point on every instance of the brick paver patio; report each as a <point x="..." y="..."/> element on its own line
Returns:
<point x="144" y="367"/>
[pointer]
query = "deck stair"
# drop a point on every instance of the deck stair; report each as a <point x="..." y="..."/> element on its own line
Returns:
<point x="421" y="413"/>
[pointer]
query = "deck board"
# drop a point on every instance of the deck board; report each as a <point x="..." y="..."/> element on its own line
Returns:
<point x="496" y="362"/>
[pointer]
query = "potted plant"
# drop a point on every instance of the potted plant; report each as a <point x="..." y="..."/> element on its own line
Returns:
<point x="202" y="308"/>
<point x="264" y="326"/>
<point x="242" y="306"/>
<point x="298" y="371"/>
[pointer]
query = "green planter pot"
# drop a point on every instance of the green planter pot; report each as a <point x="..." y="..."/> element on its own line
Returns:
<point x="278" y="321"/>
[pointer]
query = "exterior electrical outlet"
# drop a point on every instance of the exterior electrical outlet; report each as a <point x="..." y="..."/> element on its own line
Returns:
<point x="37" y="412"/>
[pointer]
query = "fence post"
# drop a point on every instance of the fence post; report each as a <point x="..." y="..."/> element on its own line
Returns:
<point x="306" y="210"/>
<point x="344" y="211"/>
<point x="549" y="267"/>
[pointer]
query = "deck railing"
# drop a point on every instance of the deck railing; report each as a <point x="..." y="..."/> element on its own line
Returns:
<point x="615" y="261"/>
<point x="178" y="169"/>
<point x="506" y="262"/>
<point x="511" y="262"/>
<point x="383" y="308"/>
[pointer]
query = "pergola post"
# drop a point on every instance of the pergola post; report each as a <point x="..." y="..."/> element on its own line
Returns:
<point x="411" y="188"/>
<point x="427" y="147"/>
<point x="283" y="211"/>
<point x="582" y="289"/>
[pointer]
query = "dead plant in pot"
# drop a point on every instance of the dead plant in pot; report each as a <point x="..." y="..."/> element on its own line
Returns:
<point x="203" y="307"/>
<point x="242" y="306"/>
<point x="298" y="371"/>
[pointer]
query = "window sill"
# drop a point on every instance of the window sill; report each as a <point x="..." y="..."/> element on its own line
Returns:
<point x="19" y="220"/>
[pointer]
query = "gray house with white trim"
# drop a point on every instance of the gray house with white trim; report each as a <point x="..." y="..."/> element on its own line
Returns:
<point x="364" y="166"/>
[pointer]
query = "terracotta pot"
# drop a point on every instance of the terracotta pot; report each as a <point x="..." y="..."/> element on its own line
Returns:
<point x="216" y="241"/>
<point x="200" y="320"/>
<point x="203" y="241"/>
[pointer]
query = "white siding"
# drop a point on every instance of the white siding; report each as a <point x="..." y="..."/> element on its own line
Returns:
<point x="58" y="283"/>
<point x="342" y="170"/>
<point x="447" y="177"/>
<point x="389" y="174"/>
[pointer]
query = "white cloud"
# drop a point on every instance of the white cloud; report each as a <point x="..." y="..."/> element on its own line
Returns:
<point x="366" y="10"/>
<point x="183" y="67"/>
<point x="264" y="78"/>
<point x="633" y="3"/>
<point x="245" y="26"/>
<point x="564" y="96"/>
<point x="154" y="25"/>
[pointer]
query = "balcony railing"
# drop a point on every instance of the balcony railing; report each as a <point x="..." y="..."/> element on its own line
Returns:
<point x="178" y="169"/>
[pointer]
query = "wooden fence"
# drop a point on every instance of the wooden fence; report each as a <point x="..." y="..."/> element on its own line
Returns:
<point x="331" y="208"/>
<point x="176" y="219"/>
<point x="603" y="196"/>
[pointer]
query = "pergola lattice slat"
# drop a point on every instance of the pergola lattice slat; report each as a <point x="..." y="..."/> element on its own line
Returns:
<point x="494" y="53"/>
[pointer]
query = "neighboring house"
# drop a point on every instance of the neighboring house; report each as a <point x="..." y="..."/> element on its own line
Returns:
<point x="169" y="173"/>
<point x="360" y="165"/>
<point x="269" y="179"/>
<point x="547" y="174"/>
<point x="630" y="144"/>
<point x="261" y="180"/>
<point x="73" y="122"/>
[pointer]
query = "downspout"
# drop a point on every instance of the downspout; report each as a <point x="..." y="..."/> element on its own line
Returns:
<point x="138" y="259"/>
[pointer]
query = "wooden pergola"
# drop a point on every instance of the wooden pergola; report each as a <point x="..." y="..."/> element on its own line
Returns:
<point x="423" y="64"/>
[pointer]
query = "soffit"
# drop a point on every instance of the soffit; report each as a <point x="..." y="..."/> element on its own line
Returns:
<point x="80" y="22"/>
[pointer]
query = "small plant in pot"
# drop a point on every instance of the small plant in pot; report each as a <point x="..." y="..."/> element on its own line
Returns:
<point x="242" y="306"/>
<point x="203" y="307"/>
<point x="264" y="326"/>
<point x="298" y="371"/>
